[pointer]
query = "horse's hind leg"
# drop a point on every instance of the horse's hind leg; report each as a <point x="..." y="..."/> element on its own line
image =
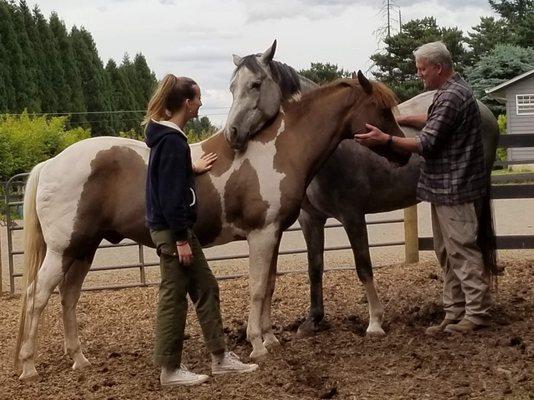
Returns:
<point x="70" y="288"/>
<point x="312" y="225"/>
<point x="48" y="277"/>
<point x="357" y="232"/>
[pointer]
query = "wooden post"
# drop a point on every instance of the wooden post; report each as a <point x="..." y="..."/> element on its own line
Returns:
<point x="411" y="235"/>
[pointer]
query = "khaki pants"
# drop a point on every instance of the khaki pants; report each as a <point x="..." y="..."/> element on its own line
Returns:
<point x="465" y="281"/>
<point x="177" y="281"/>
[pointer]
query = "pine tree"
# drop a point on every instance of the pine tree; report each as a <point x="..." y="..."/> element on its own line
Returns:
<point x="147" y="80"/>
<point x="96" y="86"/>
<point x="13" y="60"/>
<point x="123" y="99"/>
<point x="28" y="93"/>
<point x="53" y="85"/>
<point x="71" y="100"/>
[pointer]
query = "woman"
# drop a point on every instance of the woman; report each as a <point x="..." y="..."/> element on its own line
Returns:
<point x="170" y="213"/>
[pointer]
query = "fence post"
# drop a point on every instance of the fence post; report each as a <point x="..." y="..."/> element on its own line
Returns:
<point x="1" y="267"/>
<point x="411" y="235"/>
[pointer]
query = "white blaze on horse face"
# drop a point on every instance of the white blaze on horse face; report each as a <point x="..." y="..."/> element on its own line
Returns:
<point x="57" y="204"/>
<point x="261" y="157"/>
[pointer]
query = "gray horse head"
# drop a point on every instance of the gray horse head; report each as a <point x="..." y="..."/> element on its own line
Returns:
<point x="259" y="85"/>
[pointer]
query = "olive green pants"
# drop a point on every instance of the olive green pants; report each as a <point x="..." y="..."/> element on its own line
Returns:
<point x="466" y="291"/>
<point x="177" y="281"/>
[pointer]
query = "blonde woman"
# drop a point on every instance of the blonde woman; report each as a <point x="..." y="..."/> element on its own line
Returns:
<point x="170" y="215"/>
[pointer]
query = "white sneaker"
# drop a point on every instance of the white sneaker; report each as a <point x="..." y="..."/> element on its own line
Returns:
<point x="181" y="376"/>
<point x="229" y="363"/>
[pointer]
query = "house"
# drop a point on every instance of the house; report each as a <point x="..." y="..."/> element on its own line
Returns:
<point x="518" y="93"/>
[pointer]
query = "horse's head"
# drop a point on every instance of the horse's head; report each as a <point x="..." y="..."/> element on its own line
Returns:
<point x="256" y="97"/>
<point x="374" y="105"/>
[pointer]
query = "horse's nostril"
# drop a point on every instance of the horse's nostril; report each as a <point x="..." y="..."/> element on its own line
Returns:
<point x="233" y="130"/>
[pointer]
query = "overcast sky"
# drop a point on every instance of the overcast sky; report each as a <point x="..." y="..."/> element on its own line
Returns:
<point x="197" y="38"/>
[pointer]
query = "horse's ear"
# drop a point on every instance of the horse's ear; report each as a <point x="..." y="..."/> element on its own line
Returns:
<point x="237" y="59"/>
<point x="353" y="75"/>
<point x="366" y="85"/>
<point x="268" y="55"/>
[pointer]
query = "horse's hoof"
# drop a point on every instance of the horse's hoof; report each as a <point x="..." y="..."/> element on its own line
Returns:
<point x="81" y="362"/>
<point x="271" y="341"/>
<point x="29" y="376"/>
<point x="375" y="332"/>
<point x="304" y="332"/>
<point x="259" y="354"/>
<point x="309" y="328"/>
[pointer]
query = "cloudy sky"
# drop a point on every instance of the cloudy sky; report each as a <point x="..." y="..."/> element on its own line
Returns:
<point x="196" y="38"/>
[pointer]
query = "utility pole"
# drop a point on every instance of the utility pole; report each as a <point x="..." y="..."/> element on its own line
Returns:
<point x="389" y="24"/>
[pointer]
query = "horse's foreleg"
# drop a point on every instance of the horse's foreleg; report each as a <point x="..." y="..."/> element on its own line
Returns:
<point x="269" y="339"/>
<point x="262" y="245"/>
<point x="357" y="232"/>
<point x="70" y="289"/>
<point x="313" y="229"/>
<point x="48" y="277"/>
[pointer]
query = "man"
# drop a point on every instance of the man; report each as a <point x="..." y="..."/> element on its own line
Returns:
<point x="453" y="180"/>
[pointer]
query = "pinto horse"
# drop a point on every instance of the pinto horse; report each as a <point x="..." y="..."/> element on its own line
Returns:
<point x="93" y="190"/>
<point x="354" y="181"/>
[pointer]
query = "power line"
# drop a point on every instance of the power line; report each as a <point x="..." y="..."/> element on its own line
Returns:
<point x="101" y="112"/>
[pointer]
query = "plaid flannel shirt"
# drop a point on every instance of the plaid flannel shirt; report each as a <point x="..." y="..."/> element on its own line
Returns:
<point x="453" y="170"/>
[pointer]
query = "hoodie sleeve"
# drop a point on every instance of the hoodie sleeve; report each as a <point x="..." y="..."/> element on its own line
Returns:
<point x="173" y="185"/>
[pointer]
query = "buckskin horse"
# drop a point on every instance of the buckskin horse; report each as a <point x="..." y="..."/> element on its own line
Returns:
<point x="354" y="181"/>
<point x="93" y="190"/>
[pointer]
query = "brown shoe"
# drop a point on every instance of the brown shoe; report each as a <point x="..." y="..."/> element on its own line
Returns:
<point x="464" y="326"/>
<point x="435" y="329"/>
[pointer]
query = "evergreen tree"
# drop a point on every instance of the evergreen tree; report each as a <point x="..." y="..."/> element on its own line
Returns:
<point x="489" y="33"/>
<point x="71" y="100"/>
<point x="13" y="63"/>
<point x="96" y="85"/>
<point x="147" y="80"/>
<point x="519" y="17"/>
<point x="28" y="97"/>
<point x="396" y="65"/>
<point x="123" y="99"/>
<point x="502" y="63"/>
<point x="322" y="73"/>
<point x="54" y="85"/>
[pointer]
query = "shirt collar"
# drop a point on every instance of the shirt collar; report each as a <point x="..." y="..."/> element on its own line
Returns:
<point x="454" y="78"/>
<point x="170" y="124"/>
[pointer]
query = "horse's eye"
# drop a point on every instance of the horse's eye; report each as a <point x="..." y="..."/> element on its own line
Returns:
<point x="255" y="85"/>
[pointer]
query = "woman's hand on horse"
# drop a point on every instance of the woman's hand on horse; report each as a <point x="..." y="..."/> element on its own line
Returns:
<point x="373" y="137"/>
<point x="185" y="256"/>
<point x="205" y="163"/>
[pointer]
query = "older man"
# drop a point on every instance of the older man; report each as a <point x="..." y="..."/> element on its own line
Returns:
<point x="453" y="180"/>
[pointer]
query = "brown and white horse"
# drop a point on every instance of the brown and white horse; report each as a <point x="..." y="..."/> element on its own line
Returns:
<point x="94" y="190"/>
<point x="260" y="85"/>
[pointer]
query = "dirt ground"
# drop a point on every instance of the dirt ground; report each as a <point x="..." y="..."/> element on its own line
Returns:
<point x="116" y="329"/>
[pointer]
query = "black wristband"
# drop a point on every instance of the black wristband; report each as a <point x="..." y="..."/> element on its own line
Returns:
<point x="389" y="143"/>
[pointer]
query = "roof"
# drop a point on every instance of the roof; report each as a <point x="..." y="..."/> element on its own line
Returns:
<point x="496" y="92"/>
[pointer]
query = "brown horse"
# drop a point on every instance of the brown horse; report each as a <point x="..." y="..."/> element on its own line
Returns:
<point x="94" y="190"/>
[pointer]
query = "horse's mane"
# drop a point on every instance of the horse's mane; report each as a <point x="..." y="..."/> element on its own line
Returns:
<point x="382" y="95"/>
<point x="285" y="76"/>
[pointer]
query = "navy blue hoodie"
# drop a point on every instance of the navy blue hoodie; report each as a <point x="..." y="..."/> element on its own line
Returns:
<point x="170" y="184"/>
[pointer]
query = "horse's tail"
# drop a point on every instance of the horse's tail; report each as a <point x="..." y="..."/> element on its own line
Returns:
<point x="486" y="239"/>
<point x="34" y="249"/>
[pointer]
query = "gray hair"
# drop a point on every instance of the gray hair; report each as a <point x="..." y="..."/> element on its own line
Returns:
<point x="434" y="53"/>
